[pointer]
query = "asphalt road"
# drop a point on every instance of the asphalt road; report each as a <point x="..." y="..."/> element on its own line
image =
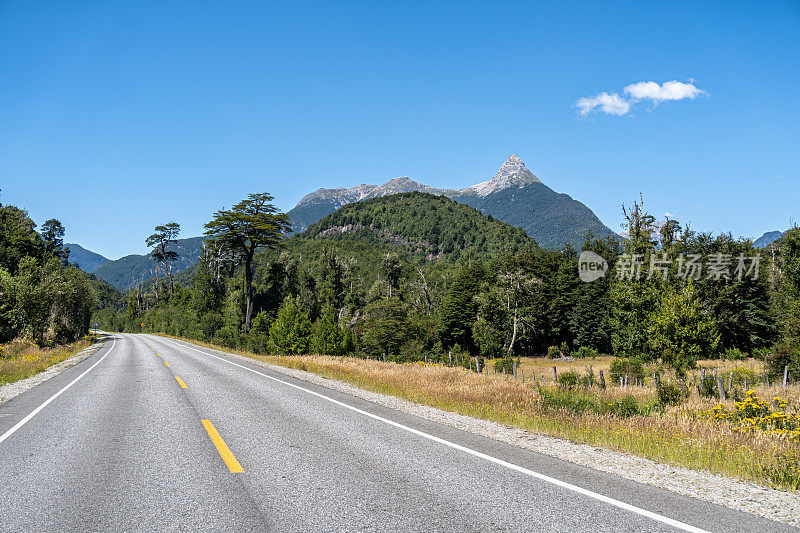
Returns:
<point x="152" y="434"/>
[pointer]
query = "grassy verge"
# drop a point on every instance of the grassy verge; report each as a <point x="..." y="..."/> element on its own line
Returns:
<point x="628" y="420"/>
<point x="21" y="359"/>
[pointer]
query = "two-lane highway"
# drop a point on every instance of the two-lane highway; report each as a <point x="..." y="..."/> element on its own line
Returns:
<point x="156" y="434"/>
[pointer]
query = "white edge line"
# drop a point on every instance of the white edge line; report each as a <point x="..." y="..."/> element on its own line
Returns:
<point x="563" y="484"/>
<point x="33" y="413"/>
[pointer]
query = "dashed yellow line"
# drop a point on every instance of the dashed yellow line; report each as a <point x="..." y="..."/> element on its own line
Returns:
<point x="222" y="448"/>
<point x="180" y="382"/>
<point x="166" y="363"/>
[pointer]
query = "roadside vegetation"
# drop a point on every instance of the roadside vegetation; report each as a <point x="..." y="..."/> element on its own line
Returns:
<point x="42" y="297"/>
<point x="46" y="304"/>
<point x="20" y="359"/>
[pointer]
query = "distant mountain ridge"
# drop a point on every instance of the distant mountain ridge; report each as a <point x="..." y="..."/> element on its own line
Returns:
<point x="86" y="260"/>
<point x="514" y="195"/>
<point x="767" y="239"/>
<point x="127" y="271"/>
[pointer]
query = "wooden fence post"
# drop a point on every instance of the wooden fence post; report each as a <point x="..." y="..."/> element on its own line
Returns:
<point x="602" y="380"/>
<point x="522" y="373"/>
<point x="745" y="382"/>
<point x="721" y="389"/>
<point x="785" y="375"/>
<point x="555" y="375"/>
<point x="450" y="356"/>
<point x="730" y="381"/>
<point x="514" y="366"/>
<point x="766" y="378"/>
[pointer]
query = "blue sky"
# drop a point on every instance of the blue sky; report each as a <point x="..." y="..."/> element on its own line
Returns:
<point x="116" y="117"/>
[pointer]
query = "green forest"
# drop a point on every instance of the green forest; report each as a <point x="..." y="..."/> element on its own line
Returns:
<point x="42" y="296"/>
<point x="415" y="276"/>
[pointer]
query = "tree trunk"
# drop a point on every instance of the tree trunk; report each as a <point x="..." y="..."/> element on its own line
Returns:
<point x="169" y="276"/>
<point x="514" y="331"/>
<point x="248" y="291"/>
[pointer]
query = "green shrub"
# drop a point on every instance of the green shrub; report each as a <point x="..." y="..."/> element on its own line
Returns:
<point x="584" y="352"/>
<point x="740" y="373"/>
<point x="734" y="354"/>
<point x="567" y="400"/>
<point x="762" y="354"/>
<point x="706" y="387"/>
<point x="625" y="407"/>
<point x="622" y="366"/>
<point x="670" y="394"/>
<point x="506" y="364"/>
<point x="553" y="352"/>
<point x="569" y="380"/>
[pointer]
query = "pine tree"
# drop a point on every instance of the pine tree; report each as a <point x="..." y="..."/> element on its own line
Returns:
<point x="290" y="334"/>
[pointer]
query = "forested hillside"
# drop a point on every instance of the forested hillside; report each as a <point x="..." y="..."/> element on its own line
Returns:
<point x="552" y="219"/>
<point x="423" y="224"/>
<point x="87" y="260"/>
<point x="415" y="275"/>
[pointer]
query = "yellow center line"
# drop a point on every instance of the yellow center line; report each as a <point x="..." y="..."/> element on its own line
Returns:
<point x="222" y="448"/>
<point x="166" y="363"/>
<point x="180" y="382"/>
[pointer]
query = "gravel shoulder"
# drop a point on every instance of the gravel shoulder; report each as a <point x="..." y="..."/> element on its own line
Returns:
<point x="10" y="390"/>
<point x="762" y="501"/>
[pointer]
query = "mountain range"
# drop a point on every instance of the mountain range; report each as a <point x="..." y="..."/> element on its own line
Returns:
<point x="767" y="239"/>
<point x="127" y="271"/>
<point x="86" y="260"/>
<point x="514" y="195"/>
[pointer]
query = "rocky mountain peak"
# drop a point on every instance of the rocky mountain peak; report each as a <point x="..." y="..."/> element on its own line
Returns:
<point x="512" y="173"/>
<point x="403" y="184"/>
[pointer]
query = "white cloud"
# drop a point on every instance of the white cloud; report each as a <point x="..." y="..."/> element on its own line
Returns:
<point x="614" y="104"/>
<point x="610" y="104"/>
<point x="669" y="90"/>
<point x="668" y="214"/>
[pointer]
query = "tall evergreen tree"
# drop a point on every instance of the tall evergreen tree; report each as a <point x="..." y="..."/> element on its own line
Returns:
<point x="251" y="225"/>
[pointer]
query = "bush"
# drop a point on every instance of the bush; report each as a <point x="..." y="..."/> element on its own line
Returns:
<point x="506" y="364"/>
<point x="568" y="401"/>
<point x="671" y="394"/>
<point x="625" y="407"/>
<point x="569" y="380"/>
<point x="762" y="354"/>
<point x="706" y="387"/>
<point x="553" y="352"/>
<point x="739" y="375"/>
<point x="622" y="366"/>
<point x="564" y="348"/>
<point x="734" y="354"/>
<point x="584" y="352"/>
